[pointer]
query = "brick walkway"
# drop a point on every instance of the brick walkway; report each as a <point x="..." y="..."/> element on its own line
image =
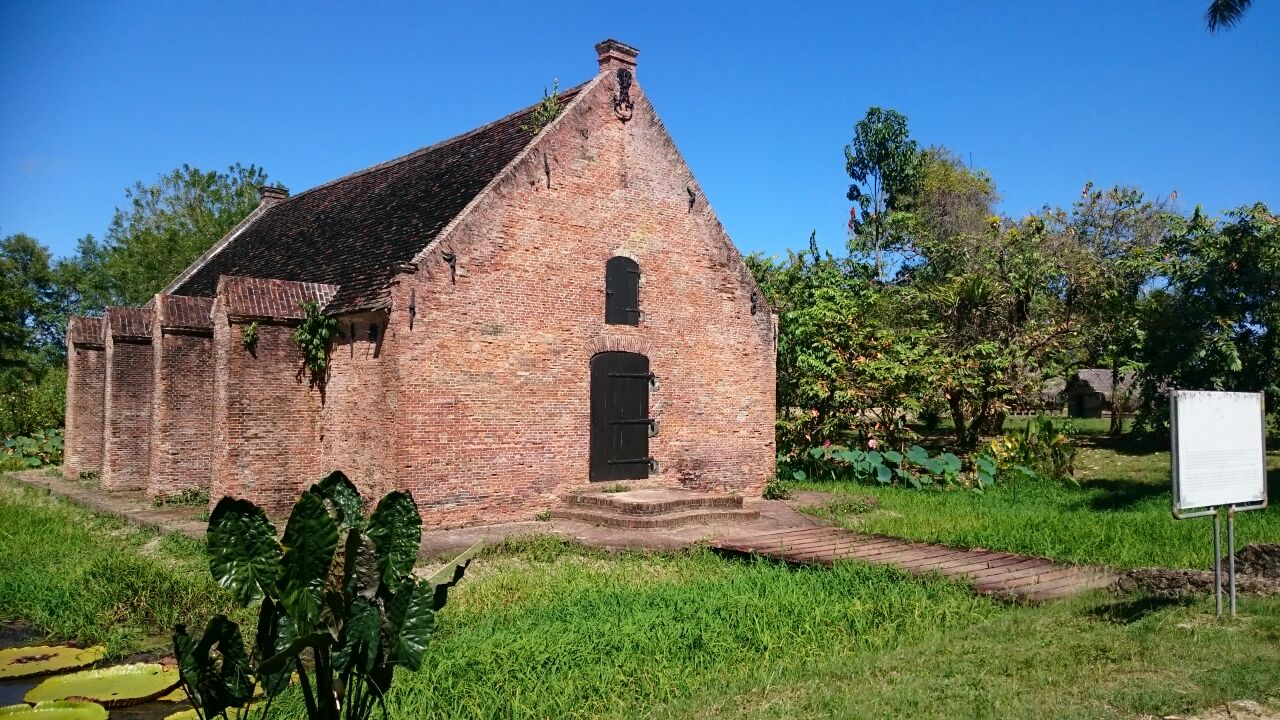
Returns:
<point x="1017" y="577"/>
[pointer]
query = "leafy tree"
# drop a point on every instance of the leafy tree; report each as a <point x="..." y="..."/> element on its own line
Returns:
<point x="884" y="164"/>
<point x="1215" y="325"/>
<point x="846" y="371"/>
<point x="1225" y="13"/>
<point x="161" y="231"/>
<point x="1119" y="232"/>
<point x="25" y="286"/>
<point x="988" y="293"/>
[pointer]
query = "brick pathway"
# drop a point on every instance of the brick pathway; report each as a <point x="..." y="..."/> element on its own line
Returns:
<point x="1017" y="577"/>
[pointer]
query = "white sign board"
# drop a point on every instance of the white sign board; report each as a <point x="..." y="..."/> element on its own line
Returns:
<point x="1219" y="457"/>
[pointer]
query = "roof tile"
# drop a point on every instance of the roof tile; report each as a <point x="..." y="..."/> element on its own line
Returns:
<point x="354" y="232"/>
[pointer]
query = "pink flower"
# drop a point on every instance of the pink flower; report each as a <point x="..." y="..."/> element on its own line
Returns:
<point x="826" y="444"/>
<point x="872" y="443"/>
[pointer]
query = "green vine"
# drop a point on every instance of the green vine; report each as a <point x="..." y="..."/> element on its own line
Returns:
<point x="546" y="110"/>
<point x="314" y="336"/>
<point x="251" y="336"/>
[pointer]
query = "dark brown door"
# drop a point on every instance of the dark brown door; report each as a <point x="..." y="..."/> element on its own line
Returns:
<point x="619" y="416"/>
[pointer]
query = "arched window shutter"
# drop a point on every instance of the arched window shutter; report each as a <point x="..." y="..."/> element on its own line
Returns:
<point x="622" y="291"/>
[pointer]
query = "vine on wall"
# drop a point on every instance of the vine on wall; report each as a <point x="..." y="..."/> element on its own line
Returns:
<point x="314" y="336"/>
<point x="251" y="336"/>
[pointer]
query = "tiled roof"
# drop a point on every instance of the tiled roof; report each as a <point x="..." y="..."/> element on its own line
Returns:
<point x="256" y="297"/>
<point x="186" y="313"/>
<point x="355" y="231"/>
<point x="87" y="330"/>
<point x="129" y="322"/>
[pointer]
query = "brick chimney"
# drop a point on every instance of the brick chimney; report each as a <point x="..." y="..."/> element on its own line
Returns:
<point x="614" y="55"/>
<point x="268" y="195"/>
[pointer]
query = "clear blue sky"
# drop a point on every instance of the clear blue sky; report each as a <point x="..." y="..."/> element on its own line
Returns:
<point x="760" y="98"/>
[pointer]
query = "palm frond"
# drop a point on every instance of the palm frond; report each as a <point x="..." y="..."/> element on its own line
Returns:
<point x="1225" y="13"/>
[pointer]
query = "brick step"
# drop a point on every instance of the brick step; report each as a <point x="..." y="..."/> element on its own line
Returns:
<point x="612" y="518"/>
<point x="650" y="502"/>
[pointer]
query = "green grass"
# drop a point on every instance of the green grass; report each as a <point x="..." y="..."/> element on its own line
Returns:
<point x="570" y="634"/>
<point x="84" y="577"/>
<point x="1119" y="515"/>
<point x="1088" y="658"/>
<point x="540" y="629"/>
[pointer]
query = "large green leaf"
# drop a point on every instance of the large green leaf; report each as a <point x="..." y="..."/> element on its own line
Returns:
<point x="243" y="552"/>
<point x="309" y="542"/>
<point x="118" y="686"/>
<point x="918" y="455"/>
<point x="362" y="575"/>
<point x="215" y="669"/>
<point x="55" y="710"/>
<point x="449" y="575"/>
<point x="336" y="488"/>
<point x="275" y="634"/>
<point x="44" y="659"/>
<point x="883" y="474"/>
<point x="396" y="531"/>
<point x="361" y="635"/>
<point x="410" y="622"/>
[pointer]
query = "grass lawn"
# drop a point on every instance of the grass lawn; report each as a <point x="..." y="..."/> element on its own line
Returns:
<point x="542" y="629"/>
<point x="95" y="579"/>
<point x="1119" y="515"/>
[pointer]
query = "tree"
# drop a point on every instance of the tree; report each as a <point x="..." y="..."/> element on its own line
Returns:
<point x="27" y="317"/>
<point x="1216" y="326"/>
<point x="1119" y="231"/>
<point x="32" y="384"/>
<point x="847" y="373"/>
<point x="163" y="229"/>
<point x="884" y="164"/>
<point x="1225" y="13"/>
<point x="986" y="292"/>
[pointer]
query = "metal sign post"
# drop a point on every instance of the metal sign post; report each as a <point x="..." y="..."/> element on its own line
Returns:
<point x="1219" y="458"/>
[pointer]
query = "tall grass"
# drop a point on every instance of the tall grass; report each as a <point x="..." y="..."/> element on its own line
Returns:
<point x="577" y="635"/>
<point x="79" y="576"/>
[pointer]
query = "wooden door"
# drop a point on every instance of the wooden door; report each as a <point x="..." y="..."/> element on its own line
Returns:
<point x="620" y="419"/>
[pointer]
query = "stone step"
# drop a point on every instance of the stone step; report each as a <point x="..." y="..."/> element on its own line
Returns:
<point x="612" y="518"/>
<point x="650" y="502"/>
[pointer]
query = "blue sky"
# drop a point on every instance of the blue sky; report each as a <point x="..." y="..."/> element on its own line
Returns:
<point x="761" y="98"/>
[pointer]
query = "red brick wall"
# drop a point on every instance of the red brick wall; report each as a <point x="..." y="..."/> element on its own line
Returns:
<point x="86" y="378"/>
<point x="127" y="412"/>
<point x="358" y="405"/>
<point x="182" y="416"/>
<point x="267" y="427"/>
<point x="492" y="421"/>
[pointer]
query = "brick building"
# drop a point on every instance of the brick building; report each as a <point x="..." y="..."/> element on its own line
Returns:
<point x="520" y="312"/>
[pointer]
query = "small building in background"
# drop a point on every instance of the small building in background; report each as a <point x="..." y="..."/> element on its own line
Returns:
<point x="1090" y="392"/>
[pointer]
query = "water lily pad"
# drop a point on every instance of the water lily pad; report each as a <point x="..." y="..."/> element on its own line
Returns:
<point x="55" y="710"/>
<point x="118" y="686"/>
<point x="45" y="659"/>
<point x="176" y="695"/>
<point x="188" y="714"/>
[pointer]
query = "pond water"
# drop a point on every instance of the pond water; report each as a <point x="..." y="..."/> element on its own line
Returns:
<point x="11" y="691"/>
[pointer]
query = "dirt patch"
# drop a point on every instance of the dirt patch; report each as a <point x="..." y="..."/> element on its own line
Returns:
<point x="1257" y="573"/>
<point x="1258" y="559"/>
<point x="1234" y="710"/>
<point x="819" y="499"/>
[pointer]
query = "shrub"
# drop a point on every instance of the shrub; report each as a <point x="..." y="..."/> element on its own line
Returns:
<point x="42" y="447"/>
<point x="1039" y="449"/>
<point x="776" y="489"/>
<point x="26" y="408"/>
